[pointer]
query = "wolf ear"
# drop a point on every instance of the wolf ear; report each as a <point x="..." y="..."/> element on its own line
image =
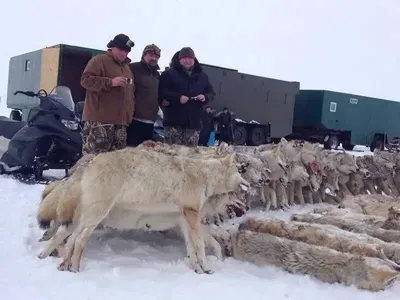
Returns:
<point x="222" y="148"/>
<point x="229" y="160"/>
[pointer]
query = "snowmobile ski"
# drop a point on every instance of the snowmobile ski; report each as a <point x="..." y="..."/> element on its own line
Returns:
<point x="30" y="179"/>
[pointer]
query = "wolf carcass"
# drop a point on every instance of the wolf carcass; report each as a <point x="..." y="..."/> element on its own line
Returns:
<point x="132" y="180"/>
<point x="325" y="264"/>
<point x="357" y="223"/>
<point x="326" y="235"/>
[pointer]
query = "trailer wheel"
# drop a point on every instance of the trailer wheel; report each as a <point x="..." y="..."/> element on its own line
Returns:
<point x="239" y="135"/>
<point x="15" y="115"/>
<point x="377" y="143"/>
<point x="331" y="142"/>
<point x="257" y="136"/>
<point x="348" y="147"/>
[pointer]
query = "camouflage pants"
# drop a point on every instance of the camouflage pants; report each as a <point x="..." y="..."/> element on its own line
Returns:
<point x="99" y="137"/>
<point x="180" y="136"/>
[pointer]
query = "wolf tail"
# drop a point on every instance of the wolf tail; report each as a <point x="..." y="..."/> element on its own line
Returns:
<point x="47" y="208"/>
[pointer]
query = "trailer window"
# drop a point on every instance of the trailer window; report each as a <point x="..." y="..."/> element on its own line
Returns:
<point x="332" y="107"/>
<point x="353" y="100"/>
<point x="27" y="65"/>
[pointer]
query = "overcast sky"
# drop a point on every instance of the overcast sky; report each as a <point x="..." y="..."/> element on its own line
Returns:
<point x="343" y="45"/>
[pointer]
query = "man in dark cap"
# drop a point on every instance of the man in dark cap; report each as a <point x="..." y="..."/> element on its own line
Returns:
<point x="225" y="126"/>
<point x="146" y="76"/>
<point x="185" y="87"/>
<point x="109" y="101"/>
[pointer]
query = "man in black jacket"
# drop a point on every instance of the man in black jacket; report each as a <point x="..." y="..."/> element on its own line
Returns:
<point x="145" y="76"/>
<point x="183" y="90"/>
<point x="207" y="123"/>
<point x="225" y="125"/>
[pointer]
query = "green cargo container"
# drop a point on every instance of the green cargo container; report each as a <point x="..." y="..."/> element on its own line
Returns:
<point x="351" y="119"/>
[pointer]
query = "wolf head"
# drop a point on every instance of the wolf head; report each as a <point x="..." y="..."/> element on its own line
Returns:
<point x="275" y="168"/>
<point x="253" y="169"/>
<point x="217" y="203"/>
<point x="298" y="172"/>
<point x="393" y="214"/>
<point x="289" y="149"/>
<point x="315" y="173"/>
<point x="385" y="159"/>
<point x="330" y="177"/>
<point x="231" y="178"/>
<point x="351" y="161"/>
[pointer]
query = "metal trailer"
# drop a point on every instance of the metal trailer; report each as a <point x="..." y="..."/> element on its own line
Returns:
<point x="44" y="69"/>
<point x="332" y="118"/>
<point x="253" y="98"/>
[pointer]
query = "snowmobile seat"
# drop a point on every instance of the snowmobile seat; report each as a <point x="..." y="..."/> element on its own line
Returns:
<point x="9" y="127"/>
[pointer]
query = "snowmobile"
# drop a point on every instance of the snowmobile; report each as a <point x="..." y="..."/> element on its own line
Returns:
<point x="49" y="139"/>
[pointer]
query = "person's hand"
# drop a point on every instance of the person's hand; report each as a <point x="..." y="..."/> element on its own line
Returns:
<point x="119" y="81"/>
<point x="201" y="98"/>
<point x="164" y="103"/>
<point x="184" y="99"/>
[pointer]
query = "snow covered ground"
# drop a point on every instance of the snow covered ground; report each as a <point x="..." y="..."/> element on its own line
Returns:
<point x="138" y="265"/>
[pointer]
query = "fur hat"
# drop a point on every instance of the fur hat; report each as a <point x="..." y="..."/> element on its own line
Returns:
<point x="152" y="48"/>
<point x="121" y="41"/>
<point x="186" y="52"/>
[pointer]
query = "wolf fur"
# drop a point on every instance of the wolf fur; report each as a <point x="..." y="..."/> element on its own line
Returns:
<point x="322" y="263"/>
<point x="120" y="219"/>
<point x="61" y="199"/>
<point x="131" y="179"/>
<point x="326" y="235"/>
<point x="339" y="171"/>
<point x="349" y="225"/>
<point x="375" y="174"/>
<point x="373" y="204"/>
<point x="391" y="222"/>
<point x="249" y="164"/>
<point x="50" y="207"/>
<point x="387" y="166"/>
<point x="251" y="168"/>
<point x="273" y="191"/>
<point x="378" y="180"/>
<point x="67" y="204"/>
<point x="294" y="152"/>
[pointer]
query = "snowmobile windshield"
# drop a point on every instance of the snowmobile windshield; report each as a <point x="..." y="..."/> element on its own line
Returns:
<point x="62" y="95"/>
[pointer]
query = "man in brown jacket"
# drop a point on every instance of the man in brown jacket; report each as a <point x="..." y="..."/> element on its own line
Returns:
<point x="145" y="74"/>
<point x="109" y="102"/>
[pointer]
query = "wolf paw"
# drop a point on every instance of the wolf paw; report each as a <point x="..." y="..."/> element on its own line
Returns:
<point x="42" y="255"/>
<point x="209" y="271"/>
<point x="65" y="266"/>
<point x="204" y="271"/>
